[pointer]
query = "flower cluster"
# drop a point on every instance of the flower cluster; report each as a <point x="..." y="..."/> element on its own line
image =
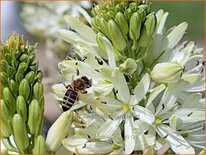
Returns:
<point x="146" y="93"/>
<point x="43" y="19"/>
<point x="22" y="102"/>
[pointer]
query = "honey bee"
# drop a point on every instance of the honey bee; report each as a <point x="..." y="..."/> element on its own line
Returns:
<point x="72" y="94"/>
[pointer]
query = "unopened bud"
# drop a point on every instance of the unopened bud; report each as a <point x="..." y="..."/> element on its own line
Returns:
<point x="59" y="131"/>
<point x="38" y="90"/>
<point x="148" y="30"/>
<point x="39" y="145"/>
<point x="24" y="89"/>
<point x="34" y="117"/>
<point x="21" y="107"/>
<point x="167" y="72"/>
<point x="20" y="132"/>
<point x="116" y="36"/>
<point x="128" y="67"/>
<point x="9" y="99"/>
<point x="135" y="26"/>
<point x="122" y="22"/>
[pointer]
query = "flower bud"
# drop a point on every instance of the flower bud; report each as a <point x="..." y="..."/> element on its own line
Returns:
<point x="20" y="132"/>
<point x="116" y="36"/>
<point x="24" y="89"/>
<point x="24" y="58"/>
<point x="39" y="145"/>
<point x="6" y="119"/>
<point x="21" y="107"/>
<point x="135" y="26"/>
<point x="34" y="117"/>
<point x="59" y="131"/>
<point x="122" y="22"/>
<point x="9" y="100"/>
<point x="4" y="65"/>
<point x="13" y="87"/>
<point x="167" y="72"/>
<point x="148" y="30"/>
<point x="128" y="67"/>
<point x="38" y="90"/>
<point x="4" y="79"/>
<point x="39" y="76"/>
<point x="102" y="25"/>
<point x="15" y="42"/>
<point x="30" y="77"/>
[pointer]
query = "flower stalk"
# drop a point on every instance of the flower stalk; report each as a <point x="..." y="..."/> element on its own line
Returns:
<point x="22" y="92"/>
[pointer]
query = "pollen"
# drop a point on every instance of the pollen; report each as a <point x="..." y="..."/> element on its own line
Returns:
<point x="158" y="120"/>
<point x="126" y="107"/>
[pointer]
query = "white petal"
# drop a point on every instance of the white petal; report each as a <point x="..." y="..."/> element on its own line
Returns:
<point x="74" y="141"/>
<point x="121" y="85"/>
<point x="154" y="93"/>
<point x="85" y="31"/>
<point x="141" y="127"/>
<point x="129" y="135"/>
<point x="106" y="131"/>
<point x="190" y="115"/>
<point x="143" y="114"/>
<point x="110" y="52"/>
<point x="84" y="13"/>
<point x="143" y="141"/>
<point x="95" y="148"/>
<point x="110" y="105"/>
<point x="178" y="144"/>
<point x="59" y="91"/>
<point x="141" y="89"/>
<point x="162" y="23"/>
<point x="176" y="35"/>
<point x="72" y="37"/>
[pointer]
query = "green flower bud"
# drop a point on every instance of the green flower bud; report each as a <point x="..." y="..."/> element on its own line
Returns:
<point x="13" y="87"/>
<point x="135" y="26"/>
<point x="6" y="119"/>
<point x="128" y="67"/>
<point x="9" y="99"/>
<point x="39" y="145"/>
<point x="102" y="26"/>
<point x="39" y="76"/>
<point x="30" y="77"/>
<point x="24" y="89"/>
<point x="4" y="79"/>
<point x="38" y="90"/>
<point x="11" y="72"/>
<point x="34" y="117"/>
<point x="99" y="38"/>
<point x="116" y="36"/>
<point x="122" y="22"/>
<point x="59" y="131"/>
<point x="21" y="107"/>
<point x="24" y="58"/>
<point x="4" y="65"/>
<point x="20" y="72"/>
<point x="167" y="72"/>
<point x="20" y="132"/>
<point x="148" y="30"/>
<point x="15" y="42"/>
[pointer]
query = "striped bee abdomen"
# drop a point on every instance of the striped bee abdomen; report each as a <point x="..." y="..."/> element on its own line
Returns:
<point x="69" y="99"/>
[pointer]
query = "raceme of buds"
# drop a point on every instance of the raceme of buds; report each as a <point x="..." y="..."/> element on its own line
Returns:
<point x="22" y="92"/>
<point x="128" y="25"/>
<point x="167" y="72"/>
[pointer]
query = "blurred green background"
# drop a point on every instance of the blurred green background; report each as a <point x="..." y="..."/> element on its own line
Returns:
<point x="191" y="12"/>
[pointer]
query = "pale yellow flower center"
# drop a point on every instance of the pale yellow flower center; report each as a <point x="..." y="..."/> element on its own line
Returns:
<point x="126" y="107"/>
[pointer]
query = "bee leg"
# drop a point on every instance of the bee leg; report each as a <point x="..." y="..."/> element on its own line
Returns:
<point x="67" y="86"/>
